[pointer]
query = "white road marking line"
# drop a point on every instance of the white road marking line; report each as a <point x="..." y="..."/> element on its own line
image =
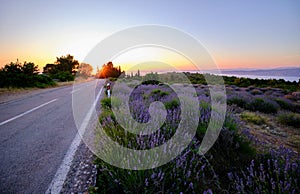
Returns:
<point x="81" y="86"/>
<point x="24" y="113"/>
<point x="74" y="91"/>
<point x="61" y="174"/>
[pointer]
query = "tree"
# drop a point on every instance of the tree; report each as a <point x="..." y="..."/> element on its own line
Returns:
<point x="84" y="70"/>
<point x="138" y="73"/>
<point x="108" y="70"/>
<point x="29" y="69"/>
<point x="67" y="64"/>
<point x="64" y="68"/>
<point x="49" y="69"/>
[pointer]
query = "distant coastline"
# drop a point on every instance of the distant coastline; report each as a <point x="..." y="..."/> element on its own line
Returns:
<point x="286" y="78"/>
<point x="288" y="74"/>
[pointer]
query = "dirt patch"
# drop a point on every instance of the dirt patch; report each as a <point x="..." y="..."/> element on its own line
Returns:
<point x="273" y="135"/>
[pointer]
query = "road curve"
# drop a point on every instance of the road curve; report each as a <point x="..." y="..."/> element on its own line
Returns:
<point x="35" y="134"/>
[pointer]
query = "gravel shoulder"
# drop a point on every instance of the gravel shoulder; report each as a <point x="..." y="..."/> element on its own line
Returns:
<point x="83" y="172"/>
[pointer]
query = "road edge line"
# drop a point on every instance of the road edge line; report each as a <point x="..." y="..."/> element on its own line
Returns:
<point x="60" y="176"/>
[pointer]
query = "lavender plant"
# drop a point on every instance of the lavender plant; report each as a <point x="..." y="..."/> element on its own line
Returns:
<point x="189" y="172"/>
<point x="277" y="172"/>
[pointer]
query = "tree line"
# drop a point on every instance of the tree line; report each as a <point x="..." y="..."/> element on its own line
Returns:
<point x="66" y="67"/>
<point x="16" y="74"/>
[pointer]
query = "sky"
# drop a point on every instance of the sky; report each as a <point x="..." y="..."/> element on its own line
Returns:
<point x="237" y="34"/>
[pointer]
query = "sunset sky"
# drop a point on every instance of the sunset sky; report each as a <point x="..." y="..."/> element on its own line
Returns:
<point x="238" y="34"/>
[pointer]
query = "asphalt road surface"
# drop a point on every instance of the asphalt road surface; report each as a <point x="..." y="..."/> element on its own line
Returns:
<point x="35" y="134"/>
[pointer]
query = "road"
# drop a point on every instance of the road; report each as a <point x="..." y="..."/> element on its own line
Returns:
<point x="35" y="135"/>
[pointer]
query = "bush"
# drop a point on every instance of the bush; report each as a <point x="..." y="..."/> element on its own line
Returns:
<point x="288" y="105"/>
<point x="63" y="76"/>
<point x="256" y="92"/>
<point x="23" y="75"/>
<point x="261" y="105"/>
<point x="290" y="119"/>
<point x="283" y="103"/>
<point x="253" y="118"/>
<point x="44" y="80"/>
<point x="151" y="82"/>
<point x="240" y="102"/>
<point x="172" y="104"/>
<point x="106" y="103"/>
<point x="112" y="79"/>
<point x="230" y="122"/>
<point x="159" y="93"/>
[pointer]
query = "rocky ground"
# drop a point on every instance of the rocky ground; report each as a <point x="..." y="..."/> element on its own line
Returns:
<point x="83" y="172"/>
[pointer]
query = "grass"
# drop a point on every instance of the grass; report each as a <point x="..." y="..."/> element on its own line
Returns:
<point x="253" y="118"/>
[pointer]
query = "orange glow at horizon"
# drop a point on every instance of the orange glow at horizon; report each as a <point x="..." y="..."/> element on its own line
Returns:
<point x="131" y="58"/>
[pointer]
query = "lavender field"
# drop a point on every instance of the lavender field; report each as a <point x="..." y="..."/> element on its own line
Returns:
<point x="257" y="149"/>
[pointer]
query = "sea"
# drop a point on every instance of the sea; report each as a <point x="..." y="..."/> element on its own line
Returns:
<point x="266" y="77"/>
<point x="288" y="74"/>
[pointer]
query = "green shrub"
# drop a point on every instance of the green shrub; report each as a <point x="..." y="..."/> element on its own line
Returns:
<point x="163" y="93"/>
<point x="156" y="91"/>
<point x="172" y="104"/>
<point x="105" y="115"/>
<point x="240" y="102"/>
<point x="116" y="102"/>
<point x="23" y="75"/>
<point x="253" y="118"/>
<point x="112" y="79"/>
<point x="256" y="92"/>
<point x="63" y="76"/>
<point x="261" y="105"/>
<point x="159" y="93"/>
<point x="290" y="119"/>
<point x="283" y="104"/>
<point x="230" y="122"/>
<point x="106" y="103"/>
<point x="288" y="105"/>
<point x="151" y="82"/>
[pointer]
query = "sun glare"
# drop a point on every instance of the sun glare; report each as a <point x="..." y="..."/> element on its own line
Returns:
<point x="137" y="58"/>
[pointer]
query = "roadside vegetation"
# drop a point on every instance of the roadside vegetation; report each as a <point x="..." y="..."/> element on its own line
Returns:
<point x="17" y="75"/>
<point x="26" y="75"/>
<point x="257" y="150"/>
